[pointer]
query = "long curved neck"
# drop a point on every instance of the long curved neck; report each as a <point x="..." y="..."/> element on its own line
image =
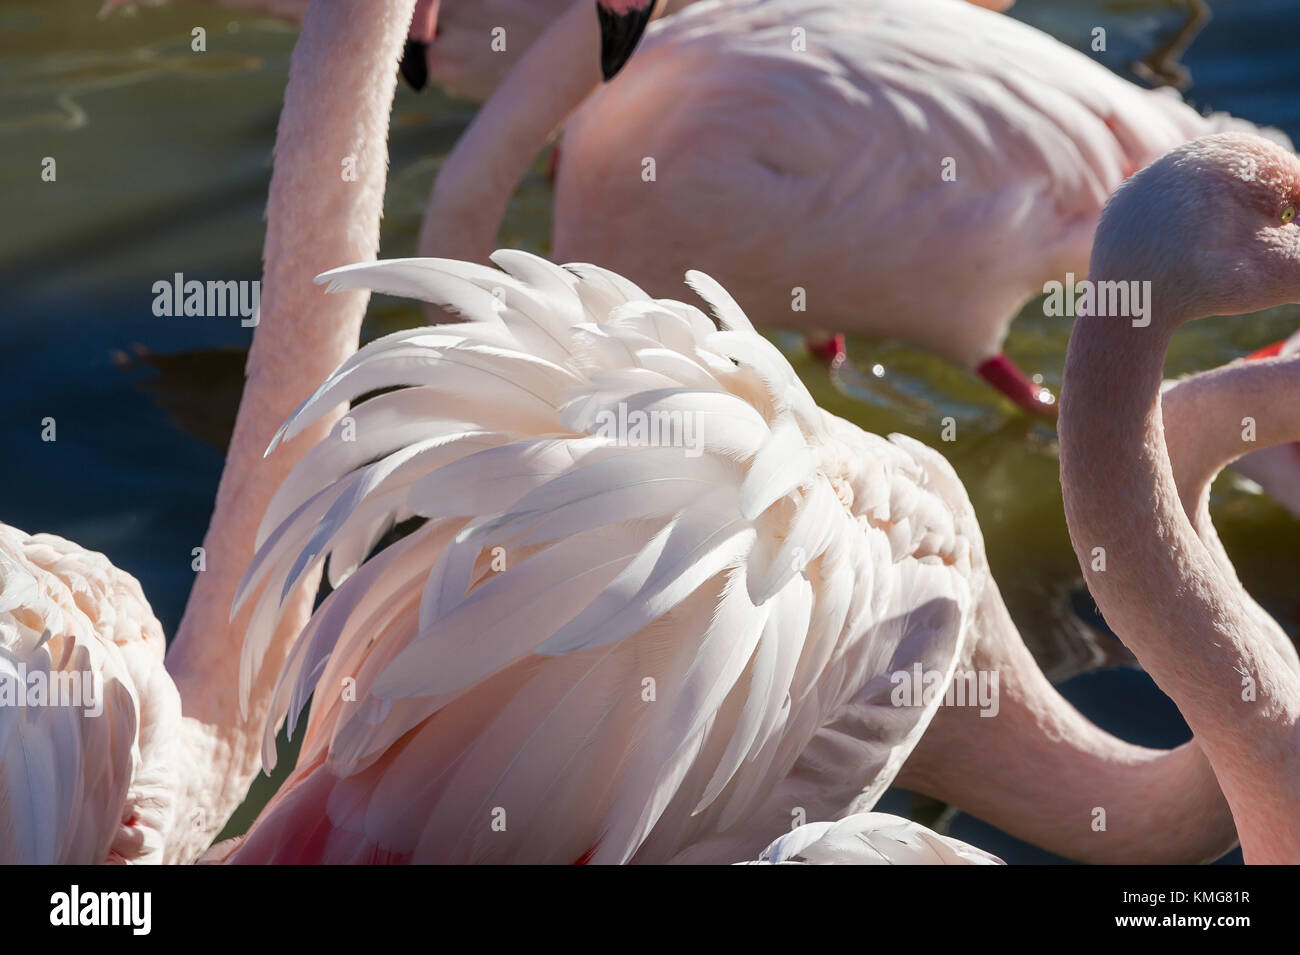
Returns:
<point x="1041" y="771"/>
<point x="325" y="203"/>
<point x="1089" y="795"/>
<point x="1213" y="418"/>
<point x="1160" y="587"/>
<point x="559" y="70"/>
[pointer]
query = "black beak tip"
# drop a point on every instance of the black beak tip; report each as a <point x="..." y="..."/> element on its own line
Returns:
<point x="619" y="34"/>
<point x="415" y="64"/>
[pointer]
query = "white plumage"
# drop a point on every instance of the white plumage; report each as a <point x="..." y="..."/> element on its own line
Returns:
<point x="622" y="646"/>
<point x="870" y="838"/>
<point x="84" y="771"/>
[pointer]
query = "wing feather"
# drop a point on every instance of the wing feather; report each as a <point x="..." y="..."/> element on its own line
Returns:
<point x="647" y="627"/>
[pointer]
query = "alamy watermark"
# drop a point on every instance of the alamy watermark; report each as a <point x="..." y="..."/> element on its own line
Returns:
<point x="39" y="687"/>
<point x="921" y="687"/>
<point x="212" y="299"/>
<point x="133" y="910"/>
<point x="1119" y="299"/>
<point x="656" y="429"/>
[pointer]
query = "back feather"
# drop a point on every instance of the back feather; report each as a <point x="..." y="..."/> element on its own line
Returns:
<point x="870" y="838"/>
<point x="649" y="569"/>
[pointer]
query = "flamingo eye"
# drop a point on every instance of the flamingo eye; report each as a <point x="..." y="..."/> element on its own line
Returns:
<point x="1288" y="214"/>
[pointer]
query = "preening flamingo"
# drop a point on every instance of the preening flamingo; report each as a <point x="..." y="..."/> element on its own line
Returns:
<point x="156" y="776"/>
<point x="916" y="169"/>
<point x="1211" y="226"/>
<point x="761" y="584"/>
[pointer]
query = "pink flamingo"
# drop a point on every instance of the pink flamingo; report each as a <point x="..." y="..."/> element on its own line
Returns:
<point x="507" y="642"/>
<point x="1185" y="619"/>
<point x="895" y="179"/>
<point x="159" y="774"/>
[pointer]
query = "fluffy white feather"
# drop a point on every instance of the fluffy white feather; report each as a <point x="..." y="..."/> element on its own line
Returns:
<point x="85" y="772"/>
<point x="646" y="628"/>
<point x="870" y="838"/>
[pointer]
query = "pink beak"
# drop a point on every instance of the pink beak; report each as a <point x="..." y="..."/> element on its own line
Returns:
<point x="1268" y="351"/>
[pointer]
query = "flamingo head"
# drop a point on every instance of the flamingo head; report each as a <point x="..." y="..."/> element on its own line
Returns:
<point x="1214" y="226"/>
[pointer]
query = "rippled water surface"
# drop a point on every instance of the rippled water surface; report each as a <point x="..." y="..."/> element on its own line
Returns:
<point x="163" y="164"/>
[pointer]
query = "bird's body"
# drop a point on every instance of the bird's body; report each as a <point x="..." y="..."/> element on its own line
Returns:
<point x="916" y="169"/>
<point x="647" y="633"/>
<point x="920" y="171"/>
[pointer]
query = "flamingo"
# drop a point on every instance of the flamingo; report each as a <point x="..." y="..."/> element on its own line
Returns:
<point x="507" y="641"/>
<point x="817" y="184"/>
<point x="172" y="757"/>
<point x="1238" y="693"/>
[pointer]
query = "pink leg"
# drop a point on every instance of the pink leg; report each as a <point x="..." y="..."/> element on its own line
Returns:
<point x="553" y="165"/>
<point x="1001" y="372"/>
<point x="829" y="350"/>
<point x="1268" y="351"/>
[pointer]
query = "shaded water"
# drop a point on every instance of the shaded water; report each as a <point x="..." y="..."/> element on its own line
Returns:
<point x="162" y="167"/>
